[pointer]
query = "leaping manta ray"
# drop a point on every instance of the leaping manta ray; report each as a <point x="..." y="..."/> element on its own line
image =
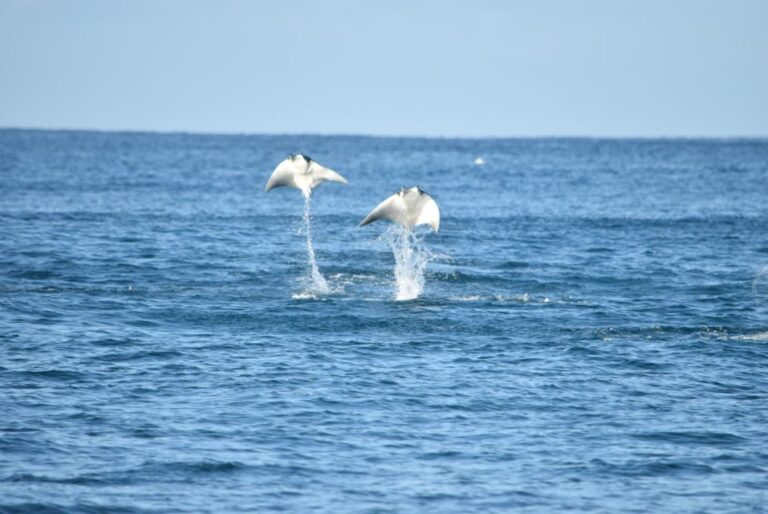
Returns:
<point x="303" y="173"/>
<point x="409" y="207"/>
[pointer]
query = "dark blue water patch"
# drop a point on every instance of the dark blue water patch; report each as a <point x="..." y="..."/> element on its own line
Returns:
<point x="166" y="472"/>
<point x="662" y="468"/>
<point x="51" y="508"/>
<point x="693" y="438"/>
<point x="55" y="375"/>
<point x="79" y="480"/>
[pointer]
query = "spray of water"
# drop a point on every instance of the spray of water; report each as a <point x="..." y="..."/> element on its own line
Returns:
<point x="411" y="259"/>
<point x="761" y="276"/>
<point x="314" y="281"/>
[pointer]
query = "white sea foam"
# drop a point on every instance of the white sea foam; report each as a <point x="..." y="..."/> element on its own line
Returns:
<point x="519" y="298"/>
<point x="304" y="295"/>
<point x="468" y="298"/>
<point x="760" y="336"/>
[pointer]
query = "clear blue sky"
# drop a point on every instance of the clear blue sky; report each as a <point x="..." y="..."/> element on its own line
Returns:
<point x="437" y="68"/>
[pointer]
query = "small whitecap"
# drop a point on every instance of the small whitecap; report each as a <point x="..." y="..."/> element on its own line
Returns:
<point x="304" y="295"/>
<point x="760" y="336"/>
<point x="479" y="161"/>
<point x="468" y="298"/>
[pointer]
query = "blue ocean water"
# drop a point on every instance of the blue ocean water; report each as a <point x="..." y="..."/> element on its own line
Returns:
<point x="592" y="334"/>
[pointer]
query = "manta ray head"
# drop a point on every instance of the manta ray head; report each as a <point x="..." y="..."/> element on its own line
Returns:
<point x="405" y="191"/>
<point x="300" y="156"/>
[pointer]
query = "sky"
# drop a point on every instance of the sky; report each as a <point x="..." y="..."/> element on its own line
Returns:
<point x="461" y="68"/>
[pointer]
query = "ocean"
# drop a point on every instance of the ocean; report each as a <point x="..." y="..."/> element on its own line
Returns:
<point x="587" y="332"/>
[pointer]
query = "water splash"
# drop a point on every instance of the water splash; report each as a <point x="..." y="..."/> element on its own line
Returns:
<point x="756" y="282"/>
<point x="314" y="281"/>
<point x="411" y="259"/>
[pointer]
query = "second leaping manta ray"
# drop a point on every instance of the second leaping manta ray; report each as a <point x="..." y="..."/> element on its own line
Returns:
<point x="303" y="173"/>
<point x="408" y="207"/>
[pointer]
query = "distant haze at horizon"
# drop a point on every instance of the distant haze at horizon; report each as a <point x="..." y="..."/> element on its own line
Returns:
<point x="468" y="69"/>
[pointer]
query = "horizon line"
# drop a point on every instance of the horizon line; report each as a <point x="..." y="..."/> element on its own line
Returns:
<point x="373" y="135"/>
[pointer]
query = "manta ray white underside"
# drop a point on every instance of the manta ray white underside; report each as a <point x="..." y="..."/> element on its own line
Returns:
<point x="303" y="173"/>
<point x="409" y="207"/>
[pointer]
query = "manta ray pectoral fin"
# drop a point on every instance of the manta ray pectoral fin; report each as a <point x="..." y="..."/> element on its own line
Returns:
<point x="283" y="176"/>
<point x="322" y="174"/>
<point x="430" y="213"/>
<point x="392" y="209"/>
